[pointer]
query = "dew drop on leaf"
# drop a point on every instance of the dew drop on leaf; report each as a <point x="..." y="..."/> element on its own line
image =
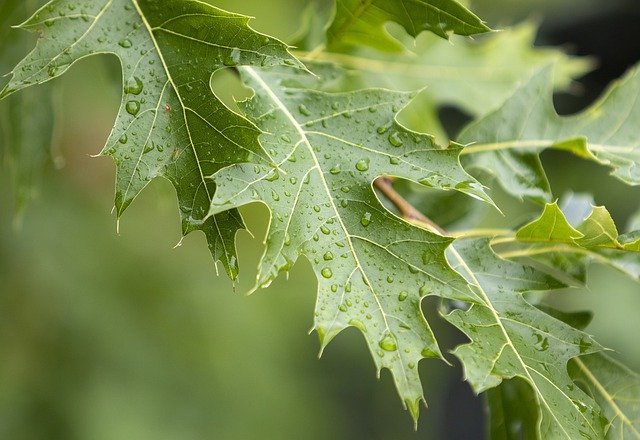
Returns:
<point x="133" y="85"/>
<point x="304" y="110"/>
<point x="362" y="165"/>
<point x="395" y="139"/>
<point x="132" y="107"/>
<point x="388" y="343"/>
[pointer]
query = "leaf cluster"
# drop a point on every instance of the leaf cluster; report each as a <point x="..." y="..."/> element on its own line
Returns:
<point x="380" y="209"/>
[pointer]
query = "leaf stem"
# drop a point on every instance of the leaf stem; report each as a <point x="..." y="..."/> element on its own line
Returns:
<point x="406" y="209"/>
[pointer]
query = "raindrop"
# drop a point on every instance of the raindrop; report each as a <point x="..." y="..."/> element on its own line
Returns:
<point x="388" y="343"/>
<point x="304" y="110"/>
<point x="126" y="43"/>
<point x="358" y="324"/>
<point x="328" y="256"/>
<point x="362" y="165"/>
<point x="395" y="139"/>
<point x="133" y="86"/>
<point x="327" y="272"/>
<point x="132" y="107"/>
<point x="402" y="296"/>
<point x="366" y="219"/>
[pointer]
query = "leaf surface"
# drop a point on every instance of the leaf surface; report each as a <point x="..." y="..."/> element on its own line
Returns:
<point x="373" y="268"/>
<point x="362" y="22"/>
<point x="508" y="141"/>
<point x="170" y="123"/>
<point x="615" y="388"/>
<point x="512" y="338"/>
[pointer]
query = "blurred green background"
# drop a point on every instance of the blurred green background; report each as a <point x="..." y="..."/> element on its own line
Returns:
<point x="106" y="336"/>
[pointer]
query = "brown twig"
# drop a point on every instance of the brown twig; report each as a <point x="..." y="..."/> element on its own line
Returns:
<point x="406" y="209"/>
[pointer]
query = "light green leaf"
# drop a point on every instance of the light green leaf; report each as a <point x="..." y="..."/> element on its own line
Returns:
<point x="551" y="226"/>
<point x="508" y="141"/>
<point x="568" y="251"/>
<point x="170" y="123"/>
<point x="373" y="268"/>
<point x="362" y="22"/>
<point x="597" y="231"/>
<point x="511" y="338"/>
<point x="615" y="388"/>
<point x="476" y="76"/>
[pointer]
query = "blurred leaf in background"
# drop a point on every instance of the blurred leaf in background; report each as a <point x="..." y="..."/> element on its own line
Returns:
<point x="27" y="121"/>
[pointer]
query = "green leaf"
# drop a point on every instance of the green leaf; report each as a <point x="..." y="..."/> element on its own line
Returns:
<point x="363" y="21"/>
<point x="511" y="338"/>
<point x="373" y="268"/>
<point x="475" y="76"/>
<point x="27" y="121"/>
<point x="567" y="251"/>
<point x="615" y="388"/>
<point x="597" y="231"/>
<point x="170" y="123"/>
<point x="512" y="410"/>
<point x="551" y="226"/>
<point x="508" y="141"/>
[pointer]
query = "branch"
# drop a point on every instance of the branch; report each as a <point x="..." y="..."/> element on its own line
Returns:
<point x="406" y="209"/>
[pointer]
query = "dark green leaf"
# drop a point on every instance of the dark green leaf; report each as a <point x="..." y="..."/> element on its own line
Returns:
<point x="170" y="123"/>
<point x="362" y="21"/>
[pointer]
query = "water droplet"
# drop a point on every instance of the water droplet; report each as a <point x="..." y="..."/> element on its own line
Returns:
<point x="395" y="139"/>
<point x="272" y="176"/>
<point x="286" y="138"/>
<point x="542" y="343"/>
<point x="49" y="22"/>
<point x="427" y="352"/>
<point x="388" y="343"/>
<point x="134" y="86"/>
<point x="328" y="256"/>
<point x="304" y="110"/>
<point x="362" y="165"/>
<point x="126" y="43"/>
<point x="132" y="107"/>
<point x="411" y="365"/>
<point x="275" y="195"/>
<point x="366" y="219"/>
<point x="402" y="296"/>
<point x="389" y="279"/>
<point x="327" y="272"/>
<point x="316" y="208"/>
<point x="335" y="170"/>
<point x="342" y="308"/>
<point x="394" y="160"/>
<point x="382" y="130"/>
<point x="123" y="139"/>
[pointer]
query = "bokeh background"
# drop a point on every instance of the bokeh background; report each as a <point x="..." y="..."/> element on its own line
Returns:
<point x="109" y="337"/>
